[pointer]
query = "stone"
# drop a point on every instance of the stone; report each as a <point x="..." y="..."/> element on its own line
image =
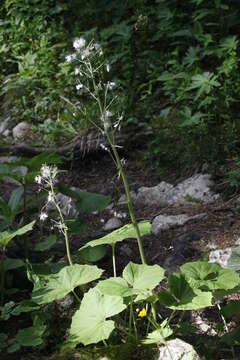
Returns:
<point x="156" y="195"/>
<point x="19" y="170"/>
<point x="67" y="205"/>
<point x="65" y="306"/>
<point x="126" y="250"/>
<point x="195" y="189"/>
<point x="203" y="326"/>
<point x="8" y="159"/>
<point x="173" y="262"/>
<point x="165" y="222"/>
<point x="21" y="130"/>
<point x="123" y="198"/>
<point x="175" y="349"/>
<point x="220" y="256"/>
<point x="4" y="125"/>
<point x="112" y="224"/>
<point x="6" y="133"/>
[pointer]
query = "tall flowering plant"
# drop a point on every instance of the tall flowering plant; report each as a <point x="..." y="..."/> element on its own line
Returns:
<point x="91" y="70"/>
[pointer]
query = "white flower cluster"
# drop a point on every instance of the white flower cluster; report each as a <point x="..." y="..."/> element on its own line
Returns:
<point x="83" y="51"/>
<point x="89" y="68"/>
<point x="47" y="179"/>
<point x="47" y="174"/>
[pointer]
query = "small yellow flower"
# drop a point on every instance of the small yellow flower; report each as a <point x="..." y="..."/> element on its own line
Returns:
<point x="142" y="313"/>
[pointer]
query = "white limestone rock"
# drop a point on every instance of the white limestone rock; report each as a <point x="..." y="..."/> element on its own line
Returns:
<point x="123" y="198"/>
<point x="112" y="224"/>
<point x="220" y="256"/>
<point x="4" y="126"/>
<point x="194" y="189"/>
<point x="165" y="222"/>
<point x="8" y="159"/>
<point x="156" y="195"/>
<point x="21" y="130"/>
<point x="175" y="349"/>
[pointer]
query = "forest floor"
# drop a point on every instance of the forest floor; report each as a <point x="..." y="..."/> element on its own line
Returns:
<point x="219" y="229"/>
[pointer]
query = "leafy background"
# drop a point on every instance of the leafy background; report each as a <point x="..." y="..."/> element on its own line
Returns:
<point x="176" y="65"/>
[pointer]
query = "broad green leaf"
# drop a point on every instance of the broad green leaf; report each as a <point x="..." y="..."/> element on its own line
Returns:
<point x="56" y="286"/>
<point x="48" y="157"/>
<point x="76" y="226"/>
<point x="116" y="286"/>
<point x="219" y="294"/>
<point x="5" y="208"/>
<point x="231" y="309"/>
<point x="159" y="335"/>
<point x="92" y="254"/>
<point x="6" y="236"/>
<point x="125" y="232"/>
<point x="232" y="338"/>
<point x="143" y="277"/>
<point x="11" y="264"/>
<point x="86" y="202"/>
<point x="138" y="279"/>
<point x="31" y="336"/>
<point x="89" y="323"/>
<point x="6" y="310"/>
<point x="24" y="306"/>
<point x="47" y="244"/>
<point x="181" y="296"/>
<point x="208" y="276"/>
<point x="15" y="198"/>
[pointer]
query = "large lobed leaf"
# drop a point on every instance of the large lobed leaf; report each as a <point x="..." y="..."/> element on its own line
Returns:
<point x="89" y="324"/>
<point x="208" y="276"/>
<point x="138" y="279"/>
<point x="181" y="296"/>
<point x="56" y="286"/>
<point x="125" y="232"/>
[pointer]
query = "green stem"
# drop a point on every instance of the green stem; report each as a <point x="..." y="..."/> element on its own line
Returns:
<point x="134" y="324"/>
<point x="154" y="312"/>
<point x="65" y="229"/>
<point x="102" y="108"/>
<point x="114" y="261"/>
<point x="129" y="199"/>
<point x="130" y="321"/>
<point x="76" y="297"/>
<point x="171" y="317"/>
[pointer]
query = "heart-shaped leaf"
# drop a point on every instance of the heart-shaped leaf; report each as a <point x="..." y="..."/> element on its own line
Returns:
<point x="56" y="286"/>
<point x="47" y="244"/>
<point x="125" y="232"/>
<point x="138" y="279"/>
<point x="208" y="276"/>
<point x="90" y="254"/>
<point x="143" y="277"/>
<point x="231" y="309"/>
<point x="89" y="324"/>
<point x="116" y="286"/>
<point x="181" y="296"/>
<point x="11" y="264"/>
